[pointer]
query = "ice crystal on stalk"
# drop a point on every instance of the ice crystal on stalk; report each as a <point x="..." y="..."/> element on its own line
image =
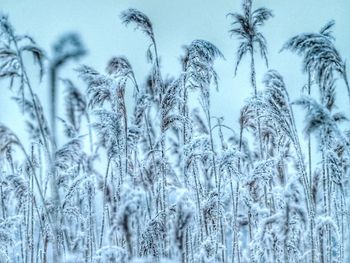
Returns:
<point x="145" y="169"/>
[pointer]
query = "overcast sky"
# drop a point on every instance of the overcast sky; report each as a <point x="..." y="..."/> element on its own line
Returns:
<point x="177" y="23"/>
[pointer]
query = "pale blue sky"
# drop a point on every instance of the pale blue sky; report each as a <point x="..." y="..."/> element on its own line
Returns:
<point x="177" y="23"/>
